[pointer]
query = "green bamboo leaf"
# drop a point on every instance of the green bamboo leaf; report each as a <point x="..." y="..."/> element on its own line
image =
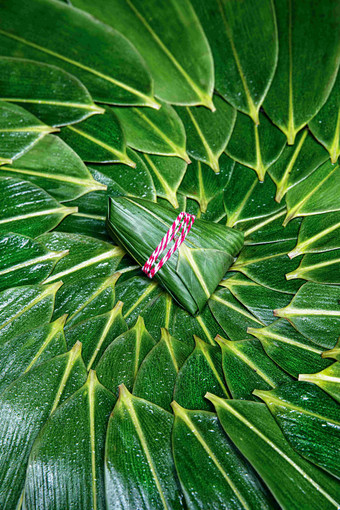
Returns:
<point x="53" y="95"/>
<point x="319" y="193"/>
<point x="296" y="162"/>
<point x="315" y="312"/>
<point x="167" y="173"/>
<point x="25" y="308"/>
<point x="28" y="209"/>
<point x="317" y="234"/>
<point x="201" y="372"/>
<point x="246" y="199"/>
<point x="246" y="367"/>
<point x="328" y="380"/>
<point x="181" y="76"/>
<point x="56" y="459"/>
<point x="83" y="299"/>
<point x="139" y="468"/>
<point x="325" y="126"/>
<point x="267" y="264"/>
<point x="292" y="351"/>
<point x="121" y="360"/>
<point x="243" y="72"/>
<point x="87" y="257"/>
<point x="24" y="261"/>
<point x="203" y="452"/>
<point x="269" y="229"/>
<point x="295" y="483"/>
<point x="318" y="267"/>
<point x="193" y="272"/>
<point x="259" y="300"/>
<point x="255" y="145"/>
<point x="232" y="316"/>
<point x="52" y="165"/>
<point x="309" y="54"/>
<point x="310" y="421"/>
<point x="25" y="406"/>
<point x="204" y="186"/>
<point x="96" y="334"/>
<point x="103" y="60"/>
<point x="119" y="180"/>
<point x="208" y="132"/>
<point x="156" y="377"/>
<point x="21" y="353"/>
<point x="154" y="131"/>
<point x="99" y="139"/>
<point x="19" y="131"/>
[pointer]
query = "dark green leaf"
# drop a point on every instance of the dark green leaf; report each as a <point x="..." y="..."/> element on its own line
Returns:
<point x="318" y="267"/>
<point x="295" y="483"/>
<point x="255" y="145"/>
<point x="182" y="67"/>
<point x="53" y="95"/>
<point x="99" y="139"/>
<point x="139" y="469"/>
<point x="328" y="380"/>
<point x="104" y="60"/>
<point x="157" y="374"/>
<point x="318" y="233"/>
<point x="68" y="454"/>
<point x="308" y="61"/>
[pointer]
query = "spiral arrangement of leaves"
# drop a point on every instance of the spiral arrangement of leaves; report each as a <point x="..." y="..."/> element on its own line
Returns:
<point x="111" y="395"/>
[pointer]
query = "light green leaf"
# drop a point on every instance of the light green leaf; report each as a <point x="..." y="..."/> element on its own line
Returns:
<point x="83" y="299"/>
<point x="24" y="261"/>
<point x="232" y="316"/>
<point x="259" y="300"/>
<point x="319" y="193"/>
<point x="208" y="132"/>
<point x="204" y="186"/>
<point x="318" y="267"/>
<point x="243" y="70"/>
<point x="53" y="95"/>
<point x="121" y="360"/>
<point x="203" y="452"/>
<point x="156" y="377"/>
<point x="25" y="406"/>
<point x="295" y="483"/>
<point x="28" y="209"/>
<point x="154" y="131"/>
<point x="167" y="173"/>
<point x="325" y="126"/>
<point x="21" y="353"/>
<point x="139" y="469"/>
<point x="315" y="312"/>
<point x="104" y="61"/>
<point x="96" y="334"/>
<point x="267" y="264"/>
<point x="99" y="139"/>
<point x="289" y="349"/>
<point x="52" y="165"/>
<point x="201" y="372"/>
<point x="246" y="199"/>
<point x="296" y="162"/>
<point x="19" y="131"/>
<point x="246" y="367"/>
<point x="181" y="76"/>
<point x="58" y="461"/>
<point x="25" y="308"/>
<point x="317" y="234"/>
<point x="328" y="380"/>
<point x="255" y="145"/>
<point x="87" y="257"/>
<point x="308" y="61"/>
<point x="310" y="421"/>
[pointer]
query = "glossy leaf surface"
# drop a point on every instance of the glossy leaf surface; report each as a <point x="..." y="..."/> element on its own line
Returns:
<point x="328" y="380"/>
<point x="318" y="233"/>
<point x="319" y="267"/>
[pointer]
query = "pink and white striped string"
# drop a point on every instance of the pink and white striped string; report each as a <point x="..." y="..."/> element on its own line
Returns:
<point x="180" y="228"/>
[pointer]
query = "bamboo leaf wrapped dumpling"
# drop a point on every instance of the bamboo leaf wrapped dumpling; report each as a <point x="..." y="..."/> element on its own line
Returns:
<point x="195" y="269"/>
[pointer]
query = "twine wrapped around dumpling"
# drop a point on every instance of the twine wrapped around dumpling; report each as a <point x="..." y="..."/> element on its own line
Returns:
<point x="195" y="269"/>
